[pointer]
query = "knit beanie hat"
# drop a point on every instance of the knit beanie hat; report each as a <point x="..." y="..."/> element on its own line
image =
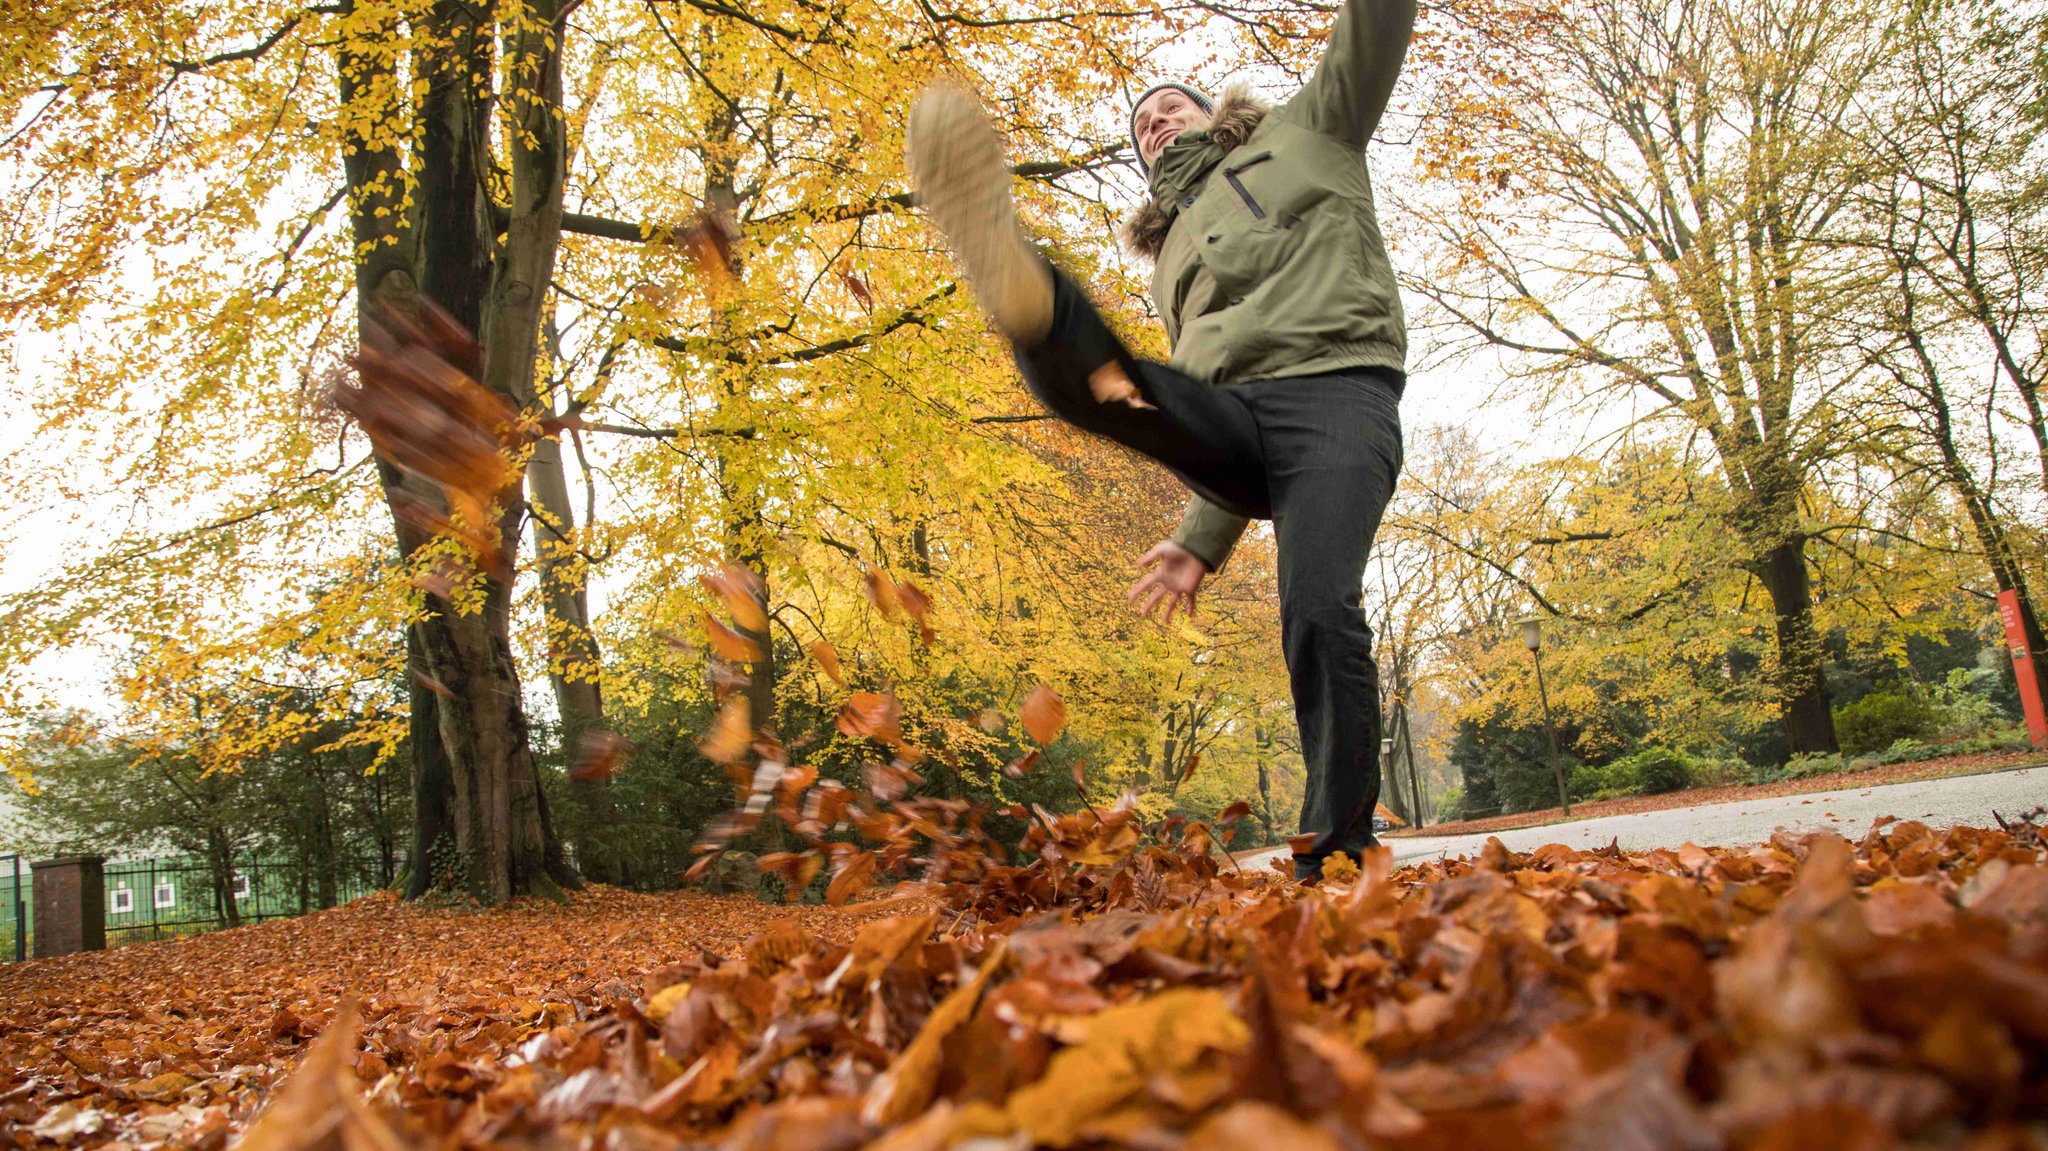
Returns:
<point x="1201" y="100"/>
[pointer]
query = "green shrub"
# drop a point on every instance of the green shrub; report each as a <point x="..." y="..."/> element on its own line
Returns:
<point x="1809" y="765"/>
<point x="1882" y="718"/>
<point x="2006" y="737"/>
<point x="1966" y="697"/>
<point x="1908" y="751"/>
<point x="1719" y="772"/>
<point x="1609" y="781"/>
<point x="1658" y="770"/>
<point x="1451" y="804"/>
<point x="1805" y="765"/>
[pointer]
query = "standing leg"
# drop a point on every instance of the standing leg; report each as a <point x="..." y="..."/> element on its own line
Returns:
<point x="1333" y="455"/>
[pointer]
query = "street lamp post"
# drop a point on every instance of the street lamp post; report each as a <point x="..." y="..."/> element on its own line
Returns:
<point x="1532" y="638"/>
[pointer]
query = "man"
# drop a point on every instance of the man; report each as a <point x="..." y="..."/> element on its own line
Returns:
<point x="1288" y="354"/>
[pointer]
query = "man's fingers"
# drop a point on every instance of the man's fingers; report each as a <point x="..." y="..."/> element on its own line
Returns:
<point x="1145" y="583"/>
<point x="1160" y="595"/>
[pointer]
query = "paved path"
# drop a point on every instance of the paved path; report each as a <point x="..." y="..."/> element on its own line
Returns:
<point x="1968" y="799"/>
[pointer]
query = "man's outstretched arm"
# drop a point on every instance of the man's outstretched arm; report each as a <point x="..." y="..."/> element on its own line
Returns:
<point x="1209" y="532"/>
<point x="1350" y="87"/>
<point x="1174" y="569"/>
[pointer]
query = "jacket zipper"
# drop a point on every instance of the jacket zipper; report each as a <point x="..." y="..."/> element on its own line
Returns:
<point x="1237" y="185"/>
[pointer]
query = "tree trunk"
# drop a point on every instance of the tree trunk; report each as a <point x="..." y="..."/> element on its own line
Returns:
<point x="432" y="862"/>
<point x="1999" y="553"/>
<point x="220" y="866"/>
<point x="746" y="535"/>
<point x="1802" y="688"/>
<point x="443" y="250"/>
<point x="573" y="654"/>
<point x="1414" y="770"/>
<point x="321" y="837"/>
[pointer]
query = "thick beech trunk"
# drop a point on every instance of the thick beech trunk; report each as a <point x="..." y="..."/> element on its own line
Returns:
<point x="1802" y="688"/>
<point x="476" y="781"/>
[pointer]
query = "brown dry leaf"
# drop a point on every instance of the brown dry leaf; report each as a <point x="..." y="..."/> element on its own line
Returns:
<point x="905" y="1089"/>
<point x="1044" y="714"/>
<point x="1021" y="766"/>
<point x="319" y="1107"/>
<point x="740" y="589"/>
<point x="875" y="715"/>
<point x="850" y="877"/>
<point x="732" y="732"/>
<point x="707" y="243"/>
<point x="1246" y="1126"/>
<point x="599" y="755"/>
<point x="855" y="284"/>
<point x="730" y="644"/>
<point x="881" y="591"/>
<point x="828" y="658"/>
<point x="1174" y="1035"/>
<point x="918" y="606"/>
<point x="1187" y="770"/>
<point x="1300" y="844"/>
<point x="431" y="684"/>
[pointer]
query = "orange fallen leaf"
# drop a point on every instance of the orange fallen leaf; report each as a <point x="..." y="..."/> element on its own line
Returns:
<point x="731" y="732"/>
<point x="1044" y="714"/>
<point x="730" y="644"/>
<point x="828" y="658"/>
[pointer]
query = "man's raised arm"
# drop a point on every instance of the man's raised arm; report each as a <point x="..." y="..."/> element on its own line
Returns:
<point x="1350" y="87"/>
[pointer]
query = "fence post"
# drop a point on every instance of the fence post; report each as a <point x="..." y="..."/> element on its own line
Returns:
<point x="71" y="905"/>
<point x="20" y="916"/>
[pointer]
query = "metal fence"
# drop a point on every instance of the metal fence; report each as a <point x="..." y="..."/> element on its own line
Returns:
<point x="154" y="898"/>
<point x="158" y="898"/>
<point x="15" y="901"/>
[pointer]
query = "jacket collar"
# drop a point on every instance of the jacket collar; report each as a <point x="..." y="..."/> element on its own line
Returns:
<point x="1186" y="163"/>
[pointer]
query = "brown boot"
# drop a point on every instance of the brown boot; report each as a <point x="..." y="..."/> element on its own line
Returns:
<point x="956" y="162"/>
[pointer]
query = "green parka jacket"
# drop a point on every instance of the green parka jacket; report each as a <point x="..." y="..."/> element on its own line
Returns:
<point x="1268" y="259"/>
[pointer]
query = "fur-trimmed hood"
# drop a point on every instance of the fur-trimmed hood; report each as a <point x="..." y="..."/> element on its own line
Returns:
<point x="1237" y="116"/>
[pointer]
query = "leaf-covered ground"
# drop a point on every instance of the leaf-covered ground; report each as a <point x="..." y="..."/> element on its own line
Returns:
<point x="1817" y="993"/>
<point x="1978" y="763"/>
<point x="180" y="1040"/>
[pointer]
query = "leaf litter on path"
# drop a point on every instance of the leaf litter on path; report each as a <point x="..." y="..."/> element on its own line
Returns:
<point x="1888" y="992"/>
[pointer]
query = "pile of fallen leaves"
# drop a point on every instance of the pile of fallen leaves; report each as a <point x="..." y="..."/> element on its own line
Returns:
<point x="180" y="1042"/>
<point x="1796" y="994"/>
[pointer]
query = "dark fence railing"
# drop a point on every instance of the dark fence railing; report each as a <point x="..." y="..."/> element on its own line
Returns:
<point x="15" y="900"/>
<point x="156" y="898"/>
<point x="152" y="898"/>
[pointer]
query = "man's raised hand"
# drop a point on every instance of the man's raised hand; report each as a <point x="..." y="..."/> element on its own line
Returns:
<point x="1172" y="575"/>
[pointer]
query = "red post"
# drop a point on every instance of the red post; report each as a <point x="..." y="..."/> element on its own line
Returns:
<point x="2023" y="668"/>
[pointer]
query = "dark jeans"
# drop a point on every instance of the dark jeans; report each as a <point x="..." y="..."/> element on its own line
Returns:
<point x="1317" y="455"/>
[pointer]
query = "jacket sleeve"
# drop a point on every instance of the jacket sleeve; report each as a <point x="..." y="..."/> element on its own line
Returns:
<point x="1209" y="532"/>
<point x="1350" y="87"/>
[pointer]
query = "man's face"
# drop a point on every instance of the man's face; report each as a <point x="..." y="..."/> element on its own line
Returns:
<point x="1164" y="115"/>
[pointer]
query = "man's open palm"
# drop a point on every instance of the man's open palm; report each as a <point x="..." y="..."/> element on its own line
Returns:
<point x="1172" y="575"/>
